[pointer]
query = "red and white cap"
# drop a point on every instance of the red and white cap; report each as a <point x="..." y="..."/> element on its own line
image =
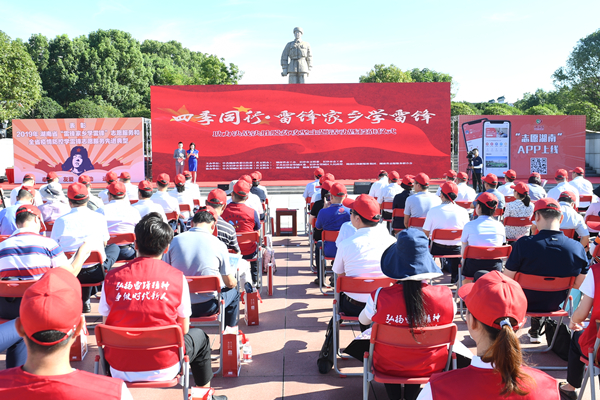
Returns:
<point x="30" y="208"/>
<point x="164" y="179"/>
<point x="394" y="176"/>
<point x="117" y="189"/>
<point x="367" y="207"/>
<point x="521" y="188"/>
<point x="561" y="174"/>
<point x="180" y="180"/>
<point x="510" y="174"/>
<point x="125" y="175"/>
<point x="217" y="197"/>
<point x="327" y="185"/>
<point x="77" y="191"/>
<point x="547" y="203"/>
<point x="338" y="190"/>
<point x="450" y="174"/>
<point x="491" y="179"/>
<point x="241" y="188"/>
<point x="493" y="298"/>
<point x="462" y="176"/>
<point x="422" y="179"/>
<point x="111" y="177"/>
<point x="52" y="303"/>
<point x="145" y="186"/>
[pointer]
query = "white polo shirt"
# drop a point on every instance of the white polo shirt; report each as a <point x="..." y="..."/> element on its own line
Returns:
<point x="507" y="189"/>
<point x="184" y="197"/>
<point x="555" y="192"/>
<point x="465" y="192"/>
<point x="80" y="225"/>
<point x="377" y="187"/>
<point x="166" y="201"/>
<point x="194" y="191"/>
<point x="103" y="195"/>
<point x="132" y="191"/>
<point x="419" y="204"/>
<point x="360" y="255"/>
<point x="388" y="193"/>
<point x="15" y="192"/>
<point x="585" y="189"/>
<point x="121" y="217"/>
<point x="572" y="220"/>
<point x="483" y="231"/>
<point x="309" y="190"/>
<point x="446" y="216"/>
<point x="346" y="230"/>
<point x="146" y="206"/>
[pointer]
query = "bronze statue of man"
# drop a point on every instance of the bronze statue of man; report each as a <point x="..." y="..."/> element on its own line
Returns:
<point x="296" y="59"/>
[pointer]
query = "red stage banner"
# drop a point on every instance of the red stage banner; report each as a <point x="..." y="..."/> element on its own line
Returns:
<point x="524" y="143"/>
<point x="285" y="131"/>
<point x="71" y="147"/>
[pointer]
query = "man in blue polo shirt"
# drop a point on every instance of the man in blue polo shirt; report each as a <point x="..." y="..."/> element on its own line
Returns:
<point x="490" y="183"/>
<point x="332" y="217"/>
<point x="549" y="253"/>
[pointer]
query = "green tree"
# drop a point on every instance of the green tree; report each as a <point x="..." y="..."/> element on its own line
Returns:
<point x="591" y="111"/>
<point x="381" y="73"/>
<point x="500" y="109"/>
<point x="46" y="108"/>
<point x="539" y="110"/>
<point x="20" y="84"/>
<point x="37" y="47"/>
<point x="428" y="75"/>
<point x="86" y="108"/>
<point x="462" y="108"/>
<point x="582" y="72"/>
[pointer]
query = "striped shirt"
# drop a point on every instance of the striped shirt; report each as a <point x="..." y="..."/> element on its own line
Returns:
<point x="226" y="234"/>
<point x="28" y="255"/>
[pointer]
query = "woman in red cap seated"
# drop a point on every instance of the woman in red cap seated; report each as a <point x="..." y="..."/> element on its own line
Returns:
<point x="496" y="305"/>
<point x="521" y="207"/>
<point x="413" y="303"/>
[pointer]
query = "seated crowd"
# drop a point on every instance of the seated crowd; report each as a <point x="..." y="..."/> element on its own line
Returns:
<point x="146" y="243"/>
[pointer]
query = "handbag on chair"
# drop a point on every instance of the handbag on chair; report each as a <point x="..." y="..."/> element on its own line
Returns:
<point x="325" y="360"/>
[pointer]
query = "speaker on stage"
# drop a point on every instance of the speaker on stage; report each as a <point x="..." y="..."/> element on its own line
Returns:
<point x="362" y="187"/>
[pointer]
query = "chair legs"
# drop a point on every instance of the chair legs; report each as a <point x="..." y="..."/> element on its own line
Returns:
<point x="366" y="376"/>
<point x="322" y="270"/>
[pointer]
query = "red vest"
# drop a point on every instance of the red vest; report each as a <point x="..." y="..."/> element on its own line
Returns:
<point x="473" y="383"/>
<point x="143" y="293"/>
<point x="18" y="384"/>
<point x="391" y="310"/>
<point x="242" y="218"/>
<point x="588" y="337"/>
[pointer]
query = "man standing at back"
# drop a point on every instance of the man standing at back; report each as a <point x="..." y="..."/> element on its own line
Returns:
<point x="563" y="185"/>
<point x="377" y="187"/>
<point x="419" y="204"/>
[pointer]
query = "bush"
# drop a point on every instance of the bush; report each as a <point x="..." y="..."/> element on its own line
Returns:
<point x="88" y="109"/>
<point x="462" y="109"/>
<point x="539" y="110"/>
<point x="46" y="108"/>
<point x="501" y="109"/>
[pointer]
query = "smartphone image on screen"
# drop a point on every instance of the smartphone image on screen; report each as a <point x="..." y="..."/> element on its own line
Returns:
<point x="496" y="147"/>
<point x="473" y="135"/>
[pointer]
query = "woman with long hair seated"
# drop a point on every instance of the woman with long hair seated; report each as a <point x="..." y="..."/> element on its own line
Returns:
<point x="496" y="306"/>
<point x="413" y="303"/>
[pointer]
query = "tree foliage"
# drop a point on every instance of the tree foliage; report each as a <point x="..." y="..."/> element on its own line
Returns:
<point x="462" y="108"/>
<point x="86" y="108"/>
<point x="381" y="73"/>
<point x="20" y="85"/>
<point x="46" y="108"/>
<point x="500" y="109"/>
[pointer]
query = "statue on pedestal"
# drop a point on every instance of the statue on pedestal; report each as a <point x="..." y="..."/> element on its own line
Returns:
<point x="300" y="60"/>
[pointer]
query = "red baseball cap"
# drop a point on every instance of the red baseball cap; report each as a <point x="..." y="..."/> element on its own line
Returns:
<point x="85" y="179"/>
<point x="318" y="172"/>
<point x="246" y="178"/>
<point x="326" y="185"/>
<point x="259" y="175"/>
<point x="51" y="175"/>
<point x="348" y="202"/>
<point x="145" y="186"/>
<point x="394" y="176"/>
<point x="521" y="188"/>
<point x="117" y="189"/>
<point x="561" y="173"/>
<point x="52" y="303"/>
<point x="217" y="197"/>
<point x="164" y="179"/>
<point x="449" y="187"/>
<point x="578" y="170"/>
<point x="462" y="176"/>
<point x="408" y="180"/>
<point x="180" y="180"/>
<point x="510" y="174"/>
<point x="338" y="190"/>
<point x="187" y="174"/>
<point x="367" y="207"/>
<point x="125" y="175"/>
<point x="255" y="177"/>
<point x="28" y="176"/>
<point x="77" y="191"/>
<point x="31" y="209"/>
<point x="450" y="174"/>
<point x="536" y="174"/>
<point x="569" y="194"/>
<point x="488" y="199"/>
<point x="495" y="296"/>
<point x="210" y="210"/>
<point x="30" y="189"/>
<point x="383" y="172"/>
<point x="491" y="179"/>
<point x="422" y="179"/>
<point x="547" y="203"/>
<point x="111" y="177"/>
<point x="241" y="188"/>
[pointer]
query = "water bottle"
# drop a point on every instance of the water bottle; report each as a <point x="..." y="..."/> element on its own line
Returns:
<point x="247" y="352"/>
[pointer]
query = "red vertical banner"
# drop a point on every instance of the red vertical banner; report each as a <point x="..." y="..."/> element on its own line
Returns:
<point x="285" y="131"/>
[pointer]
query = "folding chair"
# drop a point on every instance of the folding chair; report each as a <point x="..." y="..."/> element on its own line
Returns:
<point x="416" y="222"/>
<point x="307" y="214"/>
<point x="209" y="284"/>
<point x="548" y="284"/>
<point x="584" y="199"/>
<point x="249" y="237"/>
<point x="570" y="233"/>
<point x="3" y="238"/>
<point x="312" y="242"/>
<point x="133" y="201"/>
<point x="593" y="370"/>
<point x="397" y="213"/>
<point x="388" y="205"/>
<point x="593" y="222"/>
<point x="464" y="204"/>
<point x="478" y="253"/>
<point x="196" y="202"/>
<point x="517" y="221"/>
<point x="326" y="236"/>
<point x="426" y="338"/>
<point x="14" y="289"/>
<point x="499" y="212"/>
<point x="350" y="284"/>
<point x="49" y="225"/>
<point x="94" y="258"/>
<point x="154" y="338"/>
<point x="121" y="239"/>
<point x="509" y="199"/>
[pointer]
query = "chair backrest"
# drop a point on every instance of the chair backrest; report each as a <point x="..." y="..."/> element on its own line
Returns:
<point x="133" y="201"/>
<point x="173" y="215"/>
<point x="197" y="202"/>
<point x="426" y="337"/>
<point x="308" y="200"/>
<point x="185" y="207"/>
<point x="313" y="223"/>
<point x="498" y="212"/>
<point x="14" y="288"/>
<point x="387" y="205"/>
<point x="585" y="199"/>
<point x="3" y="238"/>
<point x="121" y="239"/>
<point x="95" y="257"/>
<point x="570" y="233"/>
<point x="464" y="204"/>
<point x="398" y="213"/>
<point x="203" y="284"/>
<point x="49" y="225"/>
<point x="154" y="338"/>
<point x="416" y="222"/>
<point x="487" y="252"/>
<point x="446" y="234"/>
<point x="517" y="221"/>
<point x="544" y="283"/>
<point x="248" y="237"/>
<point x="329" y="236"/>
<point x="592" y="218"/>
<point x="509" y="199"/>
<point x="355" y="284"/>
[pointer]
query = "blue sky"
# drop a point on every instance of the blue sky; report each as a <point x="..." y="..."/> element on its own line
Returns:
<point x="492" y="49"/>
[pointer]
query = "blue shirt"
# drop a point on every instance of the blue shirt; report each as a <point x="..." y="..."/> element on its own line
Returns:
<point x="496" y="193"/>
<point x="331" y="219"/>
<point x="8" y="223"/>
<point x="549" y="253"/>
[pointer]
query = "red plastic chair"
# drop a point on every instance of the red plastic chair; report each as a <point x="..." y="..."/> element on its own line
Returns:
<point x="464" y="204"/>
<point x="499" y="212"/>
<point x="94" y="258"/>
<point x="590" y="373"/>
<point x="416" y="222"/>
<point x="203" y="285"/>
<point x="396" y="213"/>
<point x="517" y="221"/>
<point x="185" y="208"/>
<point x="431" y="337"/>
<point x="49" y="226"/>
<point x="584" y="199"/>
<point x="350" y="284"/>
<point x="252" y="237"/>
<point x="548" y="284"/>
<point x="570" y="233"/>
<point x="593" y="222"/>
<point x="445" y="234"/>
<point x="14" y="289"/>
<point x="154" y="338"/>
<point x="3" y="238"/>
<point x="172" y="216"/>
<point x="133" y="201"/>
<point x="509" y="199"/>
<point x="311" y="230"/>
<point x="121" y="239"/>
<point x="196" y="203"/>
<point x="326" y="236"/>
